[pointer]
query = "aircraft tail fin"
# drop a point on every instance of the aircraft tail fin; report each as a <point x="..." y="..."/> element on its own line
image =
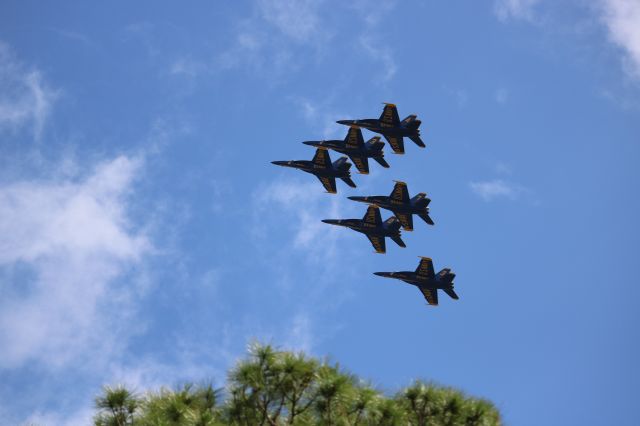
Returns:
<point x="452" y="294"/>
<point x="382" y="161"/>
<point x="420" y="200"/>
<point x="425" y="216"/>
<point x="341" y="164"/>
<point x="411" y="122"/>
<point x="348" y="181"/>
<point x="392" y="223"/>
<point x="375" y="144"/>
<point x="396" y="239"/>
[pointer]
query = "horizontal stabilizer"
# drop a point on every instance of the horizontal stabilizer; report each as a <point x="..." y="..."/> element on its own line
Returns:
<point x="452" y="294"/>
<point x="416" y="139"/>
<point x="425" y="216"/>
<point x="382" y="162"/>
<point x="398" y="241"/>
<point x="349" y="182"/>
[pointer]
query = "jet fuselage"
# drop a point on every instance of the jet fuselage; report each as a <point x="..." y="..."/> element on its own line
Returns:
<point x="310" y="167"/>
<point x="339" y="146"/>
<point x="412" y="278"/>
<point x="389" y="203"/>
<point x="377" y="126"/>
<point x="365" y="228"/>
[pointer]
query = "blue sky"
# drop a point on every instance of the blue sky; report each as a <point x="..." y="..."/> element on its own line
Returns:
<point x="146" y="239"/>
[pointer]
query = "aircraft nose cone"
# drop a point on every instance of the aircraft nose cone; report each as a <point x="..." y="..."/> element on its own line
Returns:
<point x="384" y="274"/>
<point x="346" y="122"/>
<point x="309" y="143"/>
<point x="331" y="221"/>
<point x="356" y="198"/>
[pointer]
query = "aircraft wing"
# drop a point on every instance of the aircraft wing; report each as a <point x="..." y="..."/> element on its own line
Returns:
<point x="329" y="183"/>
<point x="400" y="193"/>
<point x="354" y="138"/>
<point x="389" y="116"/>
<point x="362" y="164"/>
<point x="431" y="294"/>
<point x="406" y="219"/>
<point x="372" y="216"/>
<point x="378" y="243"/>
<point x="425" y="268"/>
<point x="396" y="142"/>
<point x="321" y="158"/>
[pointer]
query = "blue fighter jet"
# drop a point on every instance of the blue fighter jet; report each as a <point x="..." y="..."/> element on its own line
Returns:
<point x="401" y="205"/>
<point x="358" y="151"/>
<point x="322" y="167"/>
<point x="426" y="280"/>
<point x="390" y="126"/>
<point x="372" y="226"/>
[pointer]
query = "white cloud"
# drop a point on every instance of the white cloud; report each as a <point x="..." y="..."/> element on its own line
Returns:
<point x="381" y="52"/>
<point x="186" y="67"/>
<point x="297" y="19"/>
<point x="81" y="417"/>
<point x="266" y="41"/>
<point x="460" y="95"/>
<point x="63" y="245"/>
<point x="300" y="335"/>
<point x="322" y="115"/>
<point x="25" y="100"/>
<point x="497" y="188"/>
<point x="370" y="41"/>
<point x="515" y="9"/>
<point x="288" y="197"/>
<point x="622" y="18"/>
<point x="501" y="96"/>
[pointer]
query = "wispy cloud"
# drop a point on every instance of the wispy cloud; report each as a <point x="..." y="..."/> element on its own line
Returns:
<point x="515" y="9"/>
<point x="64" y="245"/>
<point x="296" y="19"/>
<point x="25" y="99"/>
<point x="497" y="188"/>
<point x="268" y="40"/>
<point x="321" y="115"/>
<point x="379" y="51"/>
<point x="622" y="19"/>
<point x="286" y="199"/>
<point x="501" y="96"/>
<point x="370" y="41"/>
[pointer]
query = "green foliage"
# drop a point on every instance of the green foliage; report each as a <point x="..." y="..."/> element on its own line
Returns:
<point x="116" y="407"/>
<point x="272" y="387"/>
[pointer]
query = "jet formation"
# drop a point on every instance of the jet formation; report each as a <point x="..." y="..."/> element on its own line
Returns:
<point x="399" y="202"/>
